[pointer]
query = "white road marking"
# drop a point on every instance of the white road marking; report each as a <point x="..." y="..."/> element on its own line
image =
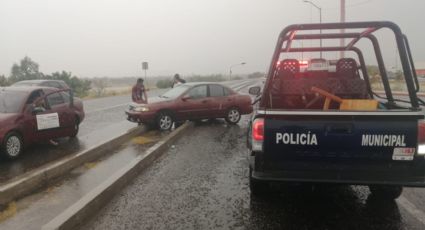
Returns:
<point x="412" y="209"/>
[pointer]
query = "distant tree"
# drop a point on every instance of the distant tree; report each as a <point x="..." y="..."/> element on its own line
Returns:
<point x="163" y="84"/>
<point x="374" y="74"/>
<point x="210" y="78"/>
<point x="3" y="81"/>
<point x="27" y="69"/>
<point x="99" y="85"/>
<point x="256" y="75"/>
<point x="372" y="70"/>
<point x="399" y="76"/>
<point x="79" y="86"/>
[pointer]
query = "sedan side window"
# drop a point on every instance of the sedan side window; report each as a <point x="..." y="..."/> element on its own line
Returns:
<point x="65" y="96"/>
<point x="198" y="92"/>
<point x="216" y="91"/>
<point x="55" y="99"/>
<point x="55" y="85"/>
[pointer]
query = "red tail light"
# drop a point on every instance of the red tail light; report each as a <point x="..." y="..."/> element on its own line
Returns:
<point x="258" y="129"/>
<point x="421" y="132"/>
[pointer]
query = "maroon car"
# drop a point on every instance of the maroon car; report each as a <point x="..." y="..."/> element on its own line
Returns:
<point x="191" y="101"/>
<point x="36" y="114"/>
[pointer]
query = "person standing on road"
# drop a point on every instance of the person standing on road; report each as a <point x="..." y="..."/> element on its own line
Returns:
<point x="138" y="93"/>
<point x="177" y="80"/>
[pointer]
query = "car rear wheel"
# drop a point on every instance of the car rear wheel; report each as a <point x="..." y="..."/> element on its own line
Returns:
<point x="12" y="145"/>
<point x="164" y="121"/>
<point x="233" y="116"/>
<point x="257" y="187"/>
<point x="76" y="128"/>
<point x="390" y="192"/>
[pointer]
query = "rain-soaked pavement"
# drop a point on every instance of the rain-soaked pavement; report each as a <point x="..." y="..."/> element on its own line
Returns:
<point x="33" y="211"/>
<point x="202" y="183"/>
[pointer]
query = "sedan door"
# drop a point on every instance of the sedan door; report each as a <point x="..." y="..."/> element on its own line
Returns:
<point x="61" y="105"/>
<point x="195" y="103"/>
<point x="219" y="101"/>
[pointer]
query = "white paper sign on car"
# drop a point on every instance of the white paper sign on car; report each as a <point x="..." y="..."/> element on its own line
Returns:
<point x="47" y="121"/>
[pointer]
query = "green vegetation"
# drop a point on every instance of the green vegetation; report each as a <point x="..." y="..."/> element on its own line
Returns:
<point x="167" y="83"/>
<point x="28" y="69"/>
<point x="3" y="81"/>
<point x="208" y="78"/>
<point x="163" y="84"/>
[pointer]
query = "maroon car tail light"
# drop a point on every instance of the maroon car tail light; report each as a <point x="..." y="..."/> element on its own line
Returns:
<point x="258" y="134"/>
<point x="421" y="137"/>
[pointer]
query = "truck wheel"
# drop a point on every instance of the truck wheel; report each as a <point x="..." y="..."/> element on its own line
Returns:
<point x="257" y="187"/>
<point x="233" y="116"/>
<point x="12" y="145"/>
<point x="390" y="192"/>
<point x="164" y="121"/>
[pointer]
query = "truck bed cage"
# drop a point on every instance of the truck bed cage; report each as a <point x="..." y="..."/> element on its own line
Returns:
<point x="289" y="34"/>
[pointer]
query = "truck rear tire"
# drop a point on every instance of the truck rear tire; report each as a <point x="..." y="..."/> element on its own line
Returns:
<point x="257" y="187"/>
<point x="389" y="192"/>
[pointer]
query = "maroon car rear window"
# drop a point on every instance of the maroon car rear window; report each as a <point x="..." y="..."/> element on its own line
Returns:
<point x="11" y="101"/>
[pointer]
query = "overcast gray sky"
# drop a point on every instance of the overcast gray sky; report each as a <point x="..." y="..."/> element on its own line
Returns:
<point x="112" y="37"/>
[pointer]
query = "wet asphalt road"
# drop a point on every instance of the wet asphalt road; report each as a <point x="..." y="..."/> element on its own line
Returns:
<point x="202" y="183"/>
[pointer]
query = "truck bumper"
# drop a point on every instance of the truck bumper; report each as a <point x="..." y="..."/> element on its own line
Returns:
<point x="140" y="117"/>
<point x="408" y="175"/>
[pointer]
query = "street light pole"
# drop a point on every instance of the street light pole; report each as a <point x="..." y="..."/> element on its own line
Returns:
<point x="320" y="20"/>
<point x="230" y="70"/>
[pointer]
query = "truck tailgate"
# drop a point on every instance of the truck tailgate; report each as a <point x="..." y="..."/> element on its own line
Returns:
<point x="342" y="137"/>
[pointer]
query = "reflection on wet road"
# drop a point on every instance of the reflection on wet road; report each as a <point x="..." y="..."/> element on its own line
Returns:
<point x="33" y="211"/>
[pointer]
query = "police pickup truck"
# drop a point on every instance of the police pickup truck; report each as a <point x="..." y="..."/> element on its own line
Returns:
<point x="328" y="121"/>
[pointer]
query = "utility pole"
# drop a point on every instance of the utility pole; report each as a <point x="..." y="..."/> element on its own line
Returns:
<point x="230" y="70"/>
<point x="320" y="20"/>
<point x="342" y="41"/>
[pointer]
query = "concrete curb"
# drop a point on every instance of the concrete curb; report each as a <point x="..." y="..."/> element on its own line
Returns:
<point x="89" y="204"/>
<point x="42" y="176"/>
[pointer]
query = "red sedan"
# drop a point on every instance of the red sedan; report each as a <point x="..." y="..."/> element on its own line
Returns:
<point x="191" y="101"/>
<point x="36" y="114"/>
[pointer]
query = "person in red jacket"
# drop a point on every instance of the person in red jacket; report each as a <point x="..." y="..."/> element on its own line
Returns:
<point x="138" y="93"/>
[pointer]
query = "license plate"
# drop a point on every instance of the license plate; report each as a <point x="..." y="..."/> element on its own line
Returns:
<point x="403" y="154"/>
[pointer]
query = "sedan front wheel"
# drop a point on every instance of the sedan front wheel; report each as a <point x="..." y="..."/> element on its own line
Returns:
<point x="164" y="121"/>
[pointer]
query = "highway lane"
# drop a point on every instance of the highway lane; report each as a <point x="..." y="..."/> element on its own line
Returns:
<point x="202" y="183"/>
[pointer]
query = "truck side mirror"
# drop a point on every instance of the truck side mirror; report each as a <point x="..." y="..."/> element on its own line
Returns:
<point x="255" y="90"/>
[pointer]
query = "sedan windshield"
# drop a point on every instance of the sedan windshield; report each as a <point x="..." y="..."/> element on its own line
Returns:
<point x="11" y="101"/>
<point x="175" y="92"/>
